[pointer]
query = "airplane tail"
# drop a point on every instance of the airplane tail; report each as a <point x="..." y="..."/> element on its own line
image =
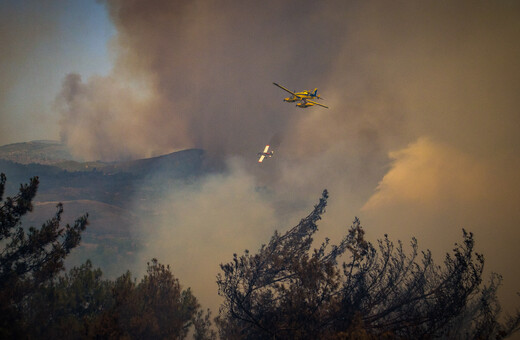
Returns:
<point x="315" y="93"/>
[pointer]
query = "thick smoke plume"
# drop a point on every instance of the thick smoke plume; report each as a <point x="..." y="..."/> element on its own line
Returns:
<point x="421" y="137"/>
<point x="206" y="70"/>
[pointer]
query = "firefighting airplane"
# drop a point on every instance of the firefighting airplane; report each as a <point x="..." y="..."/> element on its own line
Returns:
<point x="265" y="153"/>
<point x="304" y="97"/>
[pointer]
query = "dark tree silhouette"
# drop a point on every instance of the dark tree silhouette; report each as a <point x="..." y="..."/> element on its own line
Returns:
<point x="29" y="258"/>
<point x="36" y="302"/>
<point x="69" y="305"/>
<point x="286" y="291"/>
<point x="81" y="304"/>
<point x="156" y="308"/>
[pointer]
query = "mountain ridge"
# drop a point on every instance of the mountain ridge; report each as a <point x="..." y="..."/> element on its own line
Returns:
<point x="55" y="153"/>
<point x="116" y="195"/>
<point x="36" y="151"/>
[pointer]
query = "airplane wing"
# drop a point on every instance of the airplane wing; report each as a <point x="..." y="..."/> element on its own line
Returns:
<point x="310" y="101"/>
<point x="266" y="148"/>
<point x="261" y="159"/>
<point x="283" y="88"/>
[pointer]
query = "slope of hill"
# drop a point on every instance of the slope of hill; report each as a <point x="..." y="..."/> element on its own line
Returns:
<point x="106" y="219"/>
<point x="180" y="162"/>
<point x="38" y="151"/>
<point x="114" y="183"/>
<point x="108" y="240"/>
<point x="107" y="191"/>
<point x="55" y="154"/>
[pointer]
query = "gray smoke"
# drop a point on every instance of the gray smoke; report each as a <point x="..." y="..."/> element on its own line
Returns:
<point x="421" y="137"/>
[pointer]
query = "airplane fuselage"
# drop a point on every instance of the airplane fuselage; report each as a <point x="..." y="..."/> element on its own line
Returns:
<point x="304" y="98"/>
<point x="291" y="99"/>
<point x="266" y="154"/>
<point x="300" y="96"/>
<point x="307" y="95"/>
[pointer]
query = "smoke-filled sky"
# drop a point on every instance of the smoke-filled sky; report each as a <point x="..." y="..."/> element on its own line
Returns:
<point x="421" y="138"/>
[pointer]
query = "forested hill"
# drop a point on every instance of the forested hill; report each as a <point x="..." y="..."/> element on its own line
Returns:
<point x="108" y="182"/>
<point x="107" y="191"/>
<point x="54" y="153"/>
<point x="38" y="151"/>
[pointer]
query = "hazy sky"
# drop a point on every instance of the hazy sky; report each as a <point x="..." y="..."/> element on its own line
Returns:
<point x="421" y="137"/>
<point x="41" y="42"/>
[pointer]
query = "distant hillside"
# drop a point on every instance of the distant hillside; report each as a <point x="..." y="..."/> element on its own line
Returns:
<point x="114" y="183"/>
<point x="42" y="152"/>
<point x="115" y="194"/>
<point x="103" y="218"/>
<point x="108" y="239"/>
<point x="56" y="154"/>
<point x="181" y="163"/>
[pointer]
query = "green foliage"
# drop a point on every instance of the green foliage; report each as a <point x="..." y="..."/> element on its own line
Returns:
<point x="202" y="325"/>
<point x="166" y="309"/>
<point x="287" y="291"/>
<point x="29" y="258"/>
<point x="80" y="304"/>
<point x="36" y="302"/>
<point x="68" y="305"/>
<point x="156" y="308"/>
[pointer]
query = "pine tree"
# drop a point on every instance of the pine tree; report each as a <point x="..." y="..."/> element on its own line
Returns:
<point x="156" y="308"/>
<point x="286" y="291"/>
<point x="29" y="257"/>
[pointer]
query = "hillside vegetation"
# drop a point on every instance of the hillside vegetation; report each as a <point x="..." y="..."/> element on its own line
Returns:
<point x="285" y="290"/>
<point x="108" y="191"/>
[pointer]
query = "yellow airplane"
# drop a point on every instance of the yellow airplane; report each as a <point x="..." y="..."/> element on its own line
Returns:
<point x="265" y="154"/>
<point x="303" y="97"/>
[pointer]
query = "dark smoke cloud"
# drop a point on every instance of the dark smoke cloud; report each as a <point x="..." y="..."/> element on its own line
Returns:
<point x="421" y="137"/>
<point x="210" y="69"/>
<point x="106" y="119"/>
